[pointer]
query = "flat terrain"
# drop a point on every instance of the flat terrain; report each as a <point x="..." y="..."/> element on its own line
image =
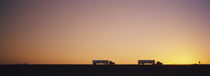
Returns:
<point x="104" y="70"/>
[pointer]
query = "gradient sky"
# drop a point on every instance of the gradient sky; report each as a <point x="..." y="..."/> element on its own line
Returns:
<point x="124" y="31"/>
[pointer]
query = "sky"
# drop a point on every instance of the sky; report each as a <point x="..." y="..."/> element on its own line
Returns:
<point x="124" y="31"/>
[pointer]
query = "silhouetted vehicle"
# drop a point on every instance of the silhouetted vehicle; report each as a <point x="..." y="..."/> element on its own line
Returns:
<point x="148" y="62"/>
<point x="103" y="62"/>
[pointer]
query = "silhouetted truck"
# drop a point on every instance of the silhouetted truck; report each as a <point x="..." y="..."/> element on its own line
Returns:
<point x="143" y="62"/>
<point x="103" y="62"/>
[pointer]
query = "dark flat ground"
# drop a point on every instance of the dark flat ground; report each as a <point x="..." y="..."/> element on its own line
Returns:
<point x="104" y="70"/>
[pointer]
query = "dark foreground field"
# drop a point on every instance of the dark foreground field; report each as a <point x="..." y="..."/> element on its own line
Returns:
<point x="114" y="70"/>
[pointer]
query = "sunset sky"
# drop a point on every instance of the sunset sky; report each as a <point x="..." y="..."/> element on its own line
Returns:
<point x="124" y="31"/>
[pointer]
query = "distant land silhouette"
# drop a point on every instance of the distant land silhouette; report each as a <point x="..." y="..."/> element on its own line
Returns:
<point x="104" y="70"/>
